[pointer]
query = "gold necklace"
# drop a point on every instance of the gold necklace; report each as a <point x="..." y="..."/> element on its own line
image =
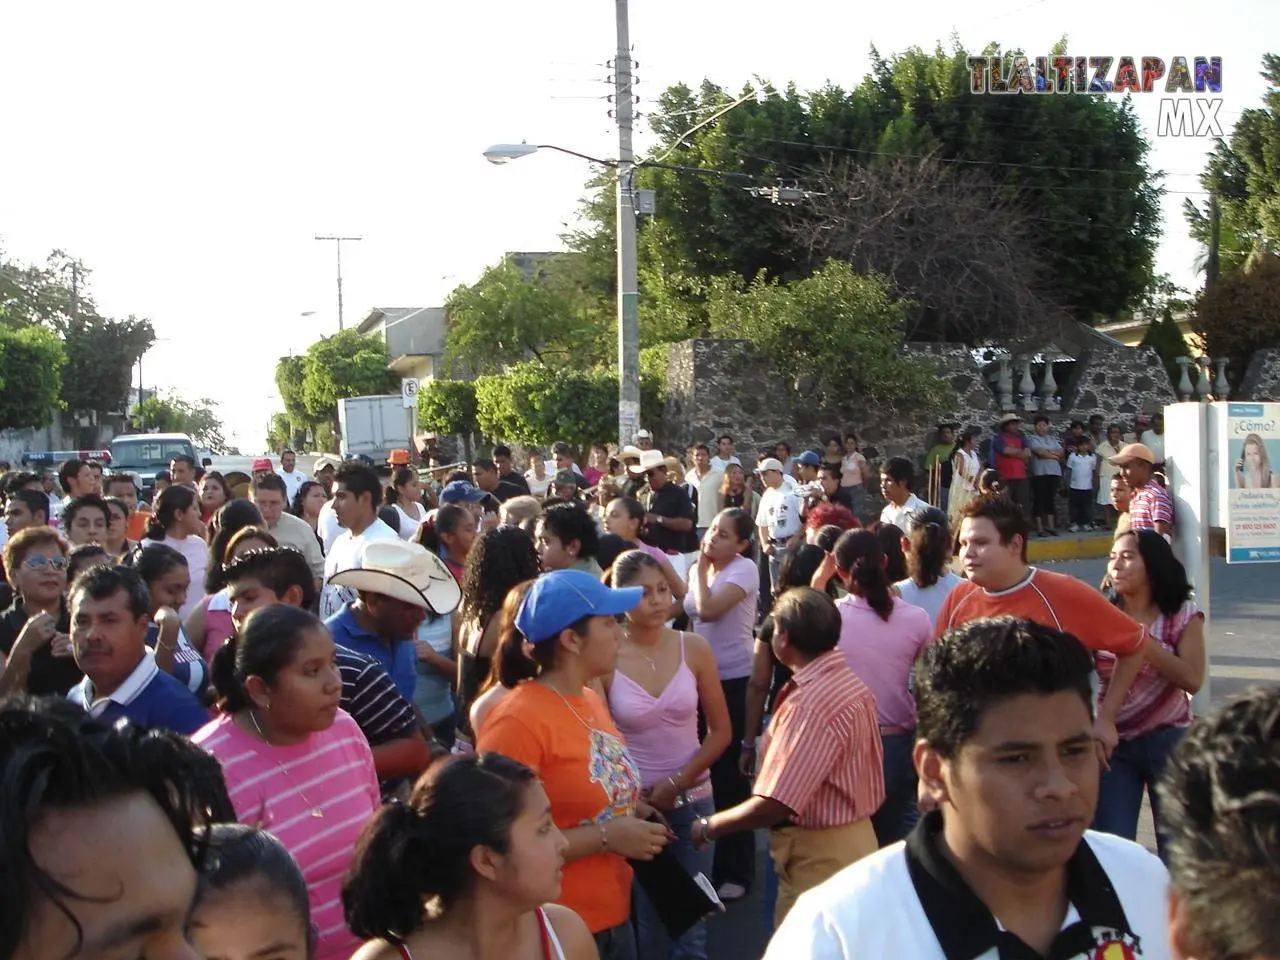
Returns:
<point x="315" y="811"/>
<point x="572" y="709"/>
<point x="652" y="661"/>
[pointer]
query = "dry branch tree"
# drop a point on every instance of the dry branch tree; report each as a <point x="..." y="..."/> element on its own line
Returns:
<point x="961" y="247"/>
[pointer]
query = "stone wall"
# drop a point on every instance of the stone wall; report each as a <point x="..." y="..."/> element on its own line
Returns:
<point x="1261" y="381"/>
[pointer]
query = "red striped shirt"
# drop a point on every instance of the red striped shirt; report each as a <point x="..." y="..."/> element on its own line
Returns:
<point x="822" y="754"/>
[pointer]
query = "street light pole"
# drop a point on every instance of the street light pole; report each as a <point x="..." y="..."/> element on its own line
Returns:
<point x="628" y="280"/>
<point x="338" y="241"/>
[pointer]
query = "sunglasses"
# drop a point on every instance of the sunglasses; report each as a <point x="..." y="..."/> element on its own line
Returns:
<point x="39" y="563"/>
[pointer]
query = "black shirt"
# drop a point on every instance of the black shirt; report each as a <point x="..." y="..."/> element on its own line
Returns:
<point x="505" y="490"/>
<point x="671" y="500"/>
<point x="516" y="480"/>
<point x="48" y="675"/>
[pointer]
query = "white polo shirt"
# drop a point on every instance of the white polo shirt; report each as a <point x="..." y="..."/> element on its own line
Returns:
<point x="779" y="513"/>
<point x="347" y="553"/>
<point x="898" y="515"/>
<point x="293" y="479"/>
<point x="908" y="901"/>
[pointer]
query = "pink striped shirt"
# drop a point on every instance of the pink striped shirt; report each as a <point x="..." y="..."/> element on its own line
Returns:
<point x="277" y="788"/>
<point x="822" y="753"/>
<point x="1152" y="701"/>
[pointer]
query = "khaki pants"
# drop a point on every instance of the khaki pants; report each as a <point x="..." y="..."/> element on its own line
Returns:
<point x="805" y="858"/>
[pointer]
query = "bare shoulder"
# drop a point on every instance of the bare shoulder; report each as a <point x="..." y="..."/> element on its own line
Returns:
<point x="571" y="930"/>
<point x="377" y="950"/>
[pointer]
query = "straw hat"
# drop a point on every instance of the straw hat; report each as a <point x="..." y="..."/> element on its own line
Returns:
<point x="403" y="571"/>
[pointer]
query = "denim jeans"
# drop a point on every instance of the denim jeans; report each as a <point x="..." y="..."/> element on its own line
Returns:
<point x="898" y="814"/>
<point x="735" y="859"/>
<point x="617" y="943"/>
<point x="1136" y="766"/>
<point x="692" y="945"/>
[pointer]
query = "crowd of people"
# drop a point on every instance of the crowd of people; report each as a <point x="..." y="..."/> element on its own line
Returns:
<point x="547" y="712"/>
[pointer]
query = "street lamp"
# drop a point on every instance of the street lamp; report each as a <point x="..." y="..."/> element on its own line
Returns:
<point x="628" y="279"/>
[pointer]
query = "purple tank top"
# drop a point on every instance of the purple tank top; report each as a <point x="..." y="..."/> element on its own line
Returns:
<point x="661" y="732"/>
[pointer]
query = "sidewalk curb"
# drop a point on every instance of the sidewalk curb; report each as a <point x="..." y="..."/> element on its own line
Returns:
<point x="1067" y="546"/>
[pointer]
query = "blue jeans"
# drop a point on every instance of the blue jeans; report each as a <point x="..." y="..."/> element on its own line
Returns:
<point x="898" y="814"/>
<point x="617" y="943"/>
<point x="1136" y="767"/>
<point x="692" y="944"/>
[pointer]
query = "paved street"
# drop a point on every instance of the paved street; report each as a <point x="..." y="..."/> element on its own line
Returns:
<point x="1244" y="649"/>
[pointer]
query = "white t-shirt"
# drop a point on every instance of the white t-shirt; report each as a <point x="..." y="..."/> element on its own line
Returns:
<point x="293" y="479"/>
<point x="898" y="515"/>
<point x="408" y="524"/>
<point x="929" y="599"/>
<point x="328" y="526"/>
<point x="872" y="909"/>
<point x="721" y="464"/>
<point x="1081" y="466"/>
<point x="346" y="555"/>
<point x="779" y="513"/>
<point x="1156" y="442"/>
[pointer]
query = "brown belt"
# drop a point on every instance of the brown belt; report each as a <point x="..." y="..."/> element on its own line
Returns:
<point x="886" y="731"/>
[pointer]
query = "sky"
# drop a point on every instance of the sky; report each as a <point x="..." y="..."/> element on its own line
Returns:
<point x="189" y="154"/>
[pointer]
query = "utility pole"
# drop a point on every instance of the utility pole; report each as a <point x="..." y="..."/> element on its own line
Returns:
<point x="628" y="280"/>
<point x="338" y="241"/>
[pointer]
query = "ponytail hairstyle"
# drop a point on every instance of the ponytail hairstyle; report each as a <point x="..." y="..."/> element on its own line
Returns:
<point x="890" y="536"/>
<point x="266" y="646"/>
<point x="630" y="565"/>
<point x="744" y="527"/>
<point x="390" y="493"/>
<point x="860" y="561"/>
<point x="412" y="862"/>
<point x="439" y="522"/>
<point x="245" y="854"/>
<point x="232" y="517"/>
<point x="928" y="534"/>
<point x="513" y="665"/>
<point x="172" y="500"/>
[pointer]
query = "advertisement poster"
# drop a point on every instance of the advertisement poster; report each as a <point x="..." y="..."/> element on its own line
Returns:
<point x="1253" y="496"/>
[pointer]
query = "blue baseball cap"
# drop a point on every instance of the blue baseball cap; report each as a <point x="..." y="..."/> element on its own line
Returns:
<point x="560" y="599"/>
<point x="810" y="458"/>
<point x="459" y="491"/>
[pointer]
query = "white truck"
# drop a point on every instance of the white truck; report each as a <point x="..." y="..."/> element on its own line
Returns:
<point x="374" y="426"/>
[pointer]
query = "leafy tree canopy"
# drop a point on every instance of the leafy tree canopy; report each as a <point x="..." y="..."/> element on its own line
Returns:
<point x="1241" y="313"/>
<point x="347" y="364"/>
<point x="31" y="362"/>
<point x="448" y="407"/>
<point x="173" y="414"/>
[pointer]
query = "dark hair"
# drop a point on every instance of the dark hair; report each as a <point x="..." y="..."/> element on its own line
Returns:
<point x="221" y="481"/>
<point x="54" y="757"/>
<point x="1114" y="426"/>
<point x="67" y="471"/>
<point x="484" y="463"/>
<point x="629" y="565"/>
<point x="501" y="450"/>
<point x="114" y="478"/>
<point x="251" y="533"/>
<point x="511" y="665"/>
<point x="725" y="436"/>
<point x="899" y="469"/>
<point x="895" y="560"/>
<point x="1041" y="418"/>
<point x="975" y="666"/>
<point x="103" y="582"/>
<point x="851" y="436"/>
<point x="414" y="859"/>
<point x="16" y="480"/>
<point x="444" y="520"/>
<point x="90" y="501"/>
<point x="1166" y="575"/>
<point x="703" y="447"/>
<point x="241" y="853"/>
<point x="929" y="536"/>
<point x="611" y="547"/>
<point x="860" y="560"/>
<point x="1074" y="423"/>
<point x="569" y="522"/>
<point x="232" y="517"/>
<point x="118" y="504"/>
<point x="389" y="516"/>
<point x="1004" y="514"/>
<point x="744" y="526"/>
<point x="296" y="506"/>
<point x="799" y="566"/>
<point x="635" y="509"/>
<point x="990" y="480"/>
<point x="35" y="501"/>
<point x="172" y="499"/>
<point x="270" y="481"/>
<point x="398" y="479"/>
<point x="826" y="537"/>
<point x="359" y="479"/>
<point x="185" y="458"/>
<point x="277" y="569"/>
<point x="155" y="560"/>
<point x="266" y="646"/>
<point x="79" y="557"/>
<point x="1220" y="815"/>
<point x="24" y="541"/>
<point x="164" y="475"/>
<point x="809" y="619"/>
<point x="833" y="470"/>
<point x="499" y="560"/>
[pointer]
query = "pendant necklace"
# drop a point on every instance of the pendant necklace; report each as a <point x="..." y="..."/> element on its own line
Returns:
<point x="314" y="810"/>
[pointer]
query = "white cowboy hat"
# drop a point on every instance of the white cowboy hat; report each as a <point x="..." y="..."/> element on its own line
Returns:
<point x="649" y="460"/>
<point x="403" y="571"/>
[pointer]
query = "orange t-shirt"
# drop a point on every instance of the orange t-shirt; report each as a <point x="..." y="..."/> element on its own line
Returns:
<point x="135" y="528"/>
<point x="1052" y="600"/>
<point x="589" y="777"/>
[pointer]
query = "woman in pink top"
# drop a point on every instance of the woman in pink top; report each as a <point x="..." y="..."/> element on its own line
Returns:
<point x="623" y="518"/>
<point x="295" y="764"/>
<point x="881" y="637"/>
<point x="724" y="588"/>
<point x="1152" y="587"/>
<point x="176" y="523"/>
<point x="661" y="679"/>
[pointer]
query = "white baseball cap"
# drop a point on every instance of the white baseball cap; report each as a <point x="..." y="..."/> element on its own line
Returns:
<point x="769" y="463"/>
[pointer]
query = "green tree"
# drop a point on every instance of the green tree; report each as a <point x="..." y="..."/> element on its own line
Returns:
<point x="172" y="414"/>
<point x="841" y="335"/>
<point x="1241" y="313"/>
<point x="31" y="362"/>
<point x="347" y="364"/>
<point x="101" y="355"/>
<point x="448" y="408"/>
<point x="506" y="317"/>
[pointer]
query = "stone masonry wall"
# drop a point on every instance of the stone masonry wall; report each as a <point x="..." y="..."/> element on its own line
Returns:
<point x="1261" y="381"/>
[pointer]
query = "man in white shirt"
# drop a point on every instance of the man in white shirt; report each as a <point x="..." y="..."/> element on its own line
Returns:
<point x="778" y="518"/>
<point x="724" y="454"/>
<point x="293" y="477"/>
<point x="357" y="493"/>
<point x="705" y="479"/>
<point x="268" y="493"/>
<point x="896" y="477"/>
<point x="1154" y="438"/>
<point x="1006" y="867"/>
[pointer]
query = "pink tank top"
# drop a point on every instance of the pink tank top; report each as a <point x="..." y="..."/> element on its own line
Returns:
<point x="661" y="732"/>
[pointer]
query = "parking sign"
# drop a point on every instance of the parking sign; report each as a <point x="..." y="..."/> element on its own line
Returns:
<point x="409" y="392"/>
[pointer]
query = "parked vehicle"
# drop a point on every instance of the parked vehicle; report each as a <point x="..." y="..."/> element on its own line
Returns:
<point x="145" y="454"/>
<point x="374" y="426"/>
